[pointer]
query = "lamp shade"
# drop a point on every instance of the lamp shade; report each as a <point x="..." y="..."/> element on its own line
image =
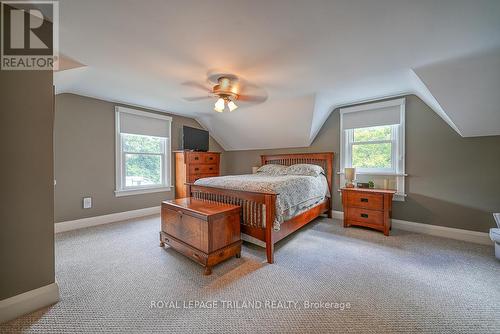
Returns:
<point x="350" y="173"/>
<point x="219" y="105"/>
<point x="232" y="106"/>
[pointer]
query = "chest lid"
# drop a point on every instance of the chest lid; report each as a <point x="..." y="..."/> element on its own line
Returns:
<point x="201" y="209"/>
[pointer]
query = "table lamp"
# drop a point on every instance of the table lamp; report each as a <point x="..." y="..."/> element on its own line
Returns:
<point x="350" y="176"/>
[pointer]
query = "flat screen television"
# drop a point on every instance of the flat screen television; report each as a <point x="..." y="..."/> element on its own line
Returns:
<point x="194" y="139"/>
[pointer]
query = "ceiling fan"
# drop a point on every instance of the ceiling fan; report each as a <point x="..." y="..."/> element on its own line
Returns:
<point x="228" y="89"/>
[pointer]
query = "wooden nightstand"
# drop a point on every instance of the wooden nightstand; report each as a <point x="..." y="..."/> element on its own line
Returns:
<point x="206" y="232"/>
<point x="368" y="207"/>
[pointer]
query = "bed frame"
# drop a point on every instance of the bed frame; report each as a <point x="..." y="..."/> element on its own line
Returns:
<point x="258" y="208"/>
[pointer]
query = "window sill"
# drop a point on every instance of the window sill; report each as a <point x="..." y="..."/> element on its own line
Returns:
<point x="130" y="192"/>
<point x="377" y="173"/>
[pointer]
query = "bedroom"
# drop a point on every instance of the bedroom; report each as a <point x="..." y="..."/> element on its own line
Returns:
<point x="404" y="92"/>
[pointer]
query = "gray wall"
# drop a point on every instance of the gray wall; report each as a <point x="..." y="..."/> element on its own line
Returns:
<point x="85" y="159"/>
<point x="453" y="181"/>
<point x="27" y="195"/>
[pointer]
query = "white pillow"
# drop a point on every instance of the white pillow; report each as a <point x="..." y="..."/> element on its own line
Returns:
<point x="272" y="169"/>
<point x="305" y="169"/>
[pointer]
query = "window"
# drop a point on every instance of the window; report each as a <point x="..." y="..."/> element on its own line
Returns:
<point x="372" y="149"/>
<point x="372" y="141"/>
<point x="142" y="152"/>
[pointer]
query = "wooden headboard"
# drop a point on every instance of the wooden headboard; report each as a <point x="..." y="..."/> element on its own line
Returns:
<point x="325" y="160"/>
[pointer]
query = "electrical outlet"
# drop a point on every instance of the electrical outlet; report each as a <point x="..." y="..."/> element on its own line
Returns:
<point x="87" y="202"/>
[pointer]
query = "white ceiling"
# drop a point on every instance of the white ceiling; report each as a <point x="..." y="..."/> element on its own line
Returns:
<point x="309" y="56"/>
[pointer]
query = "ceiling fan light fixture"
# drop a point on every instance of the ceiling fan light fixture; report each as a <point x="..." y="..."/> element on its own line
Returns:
<point x="219" y="105"/>
<point x="232" y="106"/>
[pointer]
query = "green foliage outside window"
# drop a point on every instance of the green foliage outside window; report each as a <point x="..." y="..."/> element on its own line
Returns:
<point x="372" y="155"/>
<point x="143" y="159"/>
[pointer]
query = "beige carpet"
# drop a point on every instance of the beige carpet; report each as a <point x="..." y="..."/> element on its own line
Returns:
<point x="109" y="275"/>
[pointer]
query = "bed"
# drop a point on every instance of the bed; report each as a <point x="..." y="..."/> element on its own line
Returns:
<point x="267" y="215"/>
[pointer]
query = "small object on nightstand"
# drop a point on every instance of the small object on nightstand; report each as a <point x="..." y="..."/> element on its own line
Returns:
<point x="350" y="176"/>
<point x="363" y="185"/>
<point x="255" y="169"/>
<point x="371" y="184"/>
<point x="368" y="207"/>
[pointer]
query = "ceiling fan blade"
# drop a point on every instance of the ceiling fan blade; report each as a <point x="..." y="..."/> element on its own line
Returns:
<point x="198" y="85"/>
<point x="252" y="98"/>
<point x="196" y="98"/>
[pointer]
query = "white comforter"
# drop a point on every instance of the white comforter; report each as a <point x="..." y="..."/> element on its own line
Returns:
<point x="296" y="193"/>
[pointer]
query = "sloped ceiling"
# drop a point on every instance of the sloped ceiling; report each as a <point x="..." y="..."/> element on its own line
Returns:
<point x="309" y="56"/>
<point x="468" y="89"/>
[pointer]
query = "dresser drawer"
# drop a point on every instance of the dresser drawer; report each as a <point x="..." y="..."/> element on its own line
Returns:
<point x="203" y="169"/>
<point x="370" y="217"/>
<point x="211" y="158"/>
<point x="195" y="177"/>
<point x="365" y="200"/>
<point x="184" y="227"/>
<point x="202" y="158"/>
<point x="194" y="158"/>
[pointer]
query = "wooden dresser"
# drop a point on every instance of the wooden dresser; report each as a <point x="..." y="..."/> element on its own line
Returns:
<point x="191" y="166"/>
<point x="206" y="232"/>
<point x="368" y="207"/>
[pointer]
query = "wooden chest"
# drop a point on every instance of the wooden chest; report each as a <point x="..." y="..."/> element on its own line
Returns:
<point x="368" y="207"/>
<point x="191" y="166"/>
<point x="206" y="232"/>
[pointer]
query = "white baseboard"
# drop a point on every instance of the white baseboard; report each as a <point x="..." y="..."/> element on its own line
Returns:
<point x="435" y="230"/>
<point x="104" y="219"/>
<point x="338" y="214"/>
<point x="28" y="302"/>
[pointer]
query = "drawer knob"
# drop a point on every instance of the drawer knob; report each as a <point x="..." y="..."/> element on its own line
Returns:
<point x="364" y="200"/>
<point x="196" y="256"/>
<point x="210" y="158"/>
<point x="364" y="215"/>
<point x="211" y="168"/>
<point x="196" y="169"/>
<point x="196" y="158"/>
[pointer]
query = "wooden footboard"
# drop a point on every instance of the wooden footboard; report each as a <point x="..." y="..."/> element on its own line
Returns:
<point x="258" y="209"/>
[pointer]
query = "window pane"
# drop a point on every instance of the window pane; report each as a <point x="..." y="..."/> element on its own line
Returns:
<point x="142" y="144"/>
<point x="142" y="170"/>
<point x="374" y="133"/>
<point x="371" y="155"/>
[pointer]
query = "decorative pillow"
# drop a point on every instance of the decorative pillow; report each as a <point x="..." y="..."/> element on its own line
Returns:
<point x="272" y="169"/>
<point x="305" y="169"/>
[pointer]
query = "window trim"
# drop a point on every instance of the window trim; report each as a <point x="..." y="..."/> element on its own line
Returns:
<point x="398" y="149"/>
<point x="120" y="189"/>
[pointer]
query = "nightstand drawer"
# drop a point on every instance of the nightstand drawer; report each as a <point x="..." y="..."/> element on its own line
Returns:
<point x="365" y="200"/>
<point x="371" y="217"/>
<point x="203" y="169"/>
